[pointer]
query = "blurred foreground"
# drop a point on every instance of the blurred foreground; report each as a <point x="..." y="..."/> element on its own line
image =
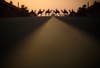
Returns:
<point x="50" y="42"/>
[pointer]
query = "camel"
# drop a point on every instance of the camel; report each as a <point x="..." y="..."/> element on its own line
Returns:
<point x="56" y="12"/>
<point x="48" y="12"/>
<point x="40" y="12"/>
<point x="72" y="12"/>
<point x="33" y="13"/>
<point x="65" y="12"/>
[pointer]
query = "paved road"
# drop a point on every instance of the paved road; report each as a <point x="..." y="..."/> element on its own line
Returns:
<point x="55" y="44"/>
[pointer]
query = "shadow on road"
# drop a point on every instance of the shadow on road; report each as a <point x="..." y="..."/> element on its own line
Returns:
<point x="50" y="43"/>
<point x="88" y="24"/>
<point x="14" y="30"/>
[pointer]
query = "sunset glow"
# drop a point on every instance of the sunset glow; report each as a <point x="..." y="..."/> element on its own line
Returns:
<point x="52" y="4"/>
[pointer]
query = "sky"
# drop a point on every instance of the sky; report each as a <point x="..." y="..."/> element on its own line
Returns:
<point x="52" y="4"/>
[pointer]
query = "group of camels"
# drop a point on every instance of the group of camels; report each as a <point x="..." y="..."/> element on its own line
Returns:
<point x="49" y="12"/>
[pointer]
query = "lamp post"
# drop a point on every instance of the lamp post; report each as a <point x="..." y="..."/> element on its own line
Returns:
<point x="18" y="4"/>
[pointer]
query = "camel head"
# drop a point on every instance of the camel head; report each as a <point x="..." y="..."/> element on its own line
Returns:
<point x="43" y="10"/>
<point x="62" y="10"/>
<point x="34" y="10"/>
<point x="53" y="10"/>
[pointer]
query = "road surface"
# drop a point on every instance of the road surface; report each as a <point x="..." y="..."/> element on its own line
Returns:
<point x="54" y="44"/>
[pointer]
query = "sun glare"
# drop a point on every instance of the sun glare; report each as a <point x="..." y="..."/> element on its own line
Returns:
<point x="52" y="4"/>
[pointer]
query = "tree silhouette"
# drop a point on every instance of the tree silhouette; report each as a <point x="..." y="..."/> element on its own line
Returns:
<point x="22" y="6"/>
<point x="93" y="10"/>
<point x="82" y="11"/>
<point x="84" y="6"/>
<point x="11" y="2"/>
<point x="24" y="10"/>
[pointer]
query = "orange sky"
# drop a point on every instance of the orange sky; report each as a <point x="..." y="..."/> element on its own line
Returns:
<point x="45" y="4"/>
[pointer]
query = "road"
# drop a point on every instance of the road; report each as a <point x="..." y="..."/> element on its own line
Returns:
<point x="55" y="43"/>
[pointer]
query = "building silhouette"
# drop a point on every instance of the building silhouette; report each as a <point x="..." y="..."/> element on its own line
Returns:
<point x="86" y="10"/>
<point x="10" y="10"/>
<point x="94" y="10"/>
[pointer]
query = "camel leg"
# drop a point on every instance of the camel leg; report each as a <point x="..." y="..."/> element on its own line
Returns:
<point x="45" y="14"/>
<point x="41" y="14"/>
<point x="48" y="14"/>
<point x="56" y="14"/>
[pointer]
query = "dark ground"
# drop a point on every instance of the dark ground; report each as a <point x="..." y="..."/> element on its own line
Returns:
<point x="15" y="30"/>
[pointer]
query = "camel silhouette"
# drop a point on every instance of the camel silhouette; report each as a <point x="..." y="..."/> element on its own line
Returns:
<point x="47" y="12"/>
<point x="40" y="12"/>
<point x="72" y="12"/>
<point x="56" y="12"/>
<point x="65" y="12"/>
<point x="33" y="13"/>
